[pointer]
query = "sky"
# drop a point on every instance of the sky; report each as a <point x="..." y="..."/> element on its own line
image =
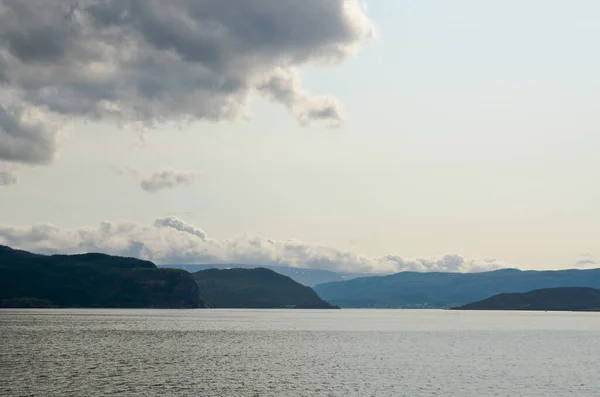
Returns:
<point x="372" y="136"/>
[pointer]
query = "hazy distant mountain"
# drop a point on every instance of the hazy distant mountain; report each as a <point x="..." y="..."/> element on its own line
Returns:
<point x="443" y="290"/>
<point x="549" y="299"/>
<point x="91" y="280"/>
<point x="308" y="277"/>
<point x="256" y="288"/>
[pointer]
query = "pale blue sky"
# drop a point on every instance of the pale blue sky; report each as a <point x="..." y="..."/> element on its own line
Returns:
<point x="472" y="127"/>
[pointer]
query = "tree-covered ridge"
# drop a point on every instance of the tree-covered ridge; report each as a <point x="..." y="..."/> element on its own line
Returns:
<point x="98" y="280"/>
<point x="256" y="288"/>
<point x="445" y="290"/>
<point x="548" y="299"/>
<point x="91" y="280"/>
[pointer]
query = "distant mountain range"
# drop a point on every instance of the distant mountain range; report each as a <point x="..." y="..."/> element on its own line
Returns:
<point x="548" y="299"/>
<point x="98" y="280"/>
<point x="446" y="290"/>
<point x="308" y="277"/>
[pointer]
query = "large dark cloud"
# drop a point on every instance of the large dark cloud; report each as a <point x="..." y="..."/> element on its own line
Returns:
<point x="147" y="61"/>
<point x="172" y="240"/>
<point x="24" y="137"/>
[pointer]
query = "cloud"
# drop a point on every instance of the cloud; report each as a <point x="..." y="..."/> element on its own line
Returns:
<point x="177" y="224"/>
<point x="7" y="178"/>
<point x="143" y="62"/>
<point x="8" y="175"/>
<point x="586" y="259"/>
<point x="284" y="86"/>
<point x="159" y="180"/>
<point x="585" y="262"/>
<point x="447" y="263"/>
<point x="167" y="179"/>
<point x="171" y="240"/>
<point x="24" y="137"/>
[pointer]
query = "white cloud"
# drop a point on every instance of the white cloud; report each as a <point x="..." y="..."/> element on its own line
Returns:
<point x="177" y="224"/>
<point x="8" y="174"/>
<point x="171" y="240"/>
<point x="167" y="179"/>
<point x="284" y="86"/>
<point x="586" y="262"/>
<point x="7" y="178"/>
<point x="159" y="180"/>
<point x="143" y="62"/>
<point x="586" y="259"/>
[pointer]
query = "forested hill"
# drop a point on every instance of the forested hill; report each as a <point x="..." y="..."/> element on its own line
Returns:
<point x="445" y="290"/>
<point x="548" y="299"/>
<point x="256" y="288"/>
<point x="308" y="277"/>
<point x="91" y="280"/>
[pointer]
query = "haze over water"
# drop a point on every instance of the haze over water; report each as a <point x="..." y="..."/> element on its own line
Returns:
<point x="298" y="353"/>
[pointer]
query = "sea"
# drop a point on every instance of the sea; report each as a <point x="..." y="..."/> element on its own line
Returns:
<point x="96" y="352"/>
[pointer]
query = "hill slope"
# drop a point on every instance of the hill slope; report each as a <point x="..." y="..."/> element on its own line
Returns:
<point x="444" y="290"/>
<point x="550" y="299"/>
<point x="91" y="280"/>
<point x="256" y="288"/>
<point x="308" y="277"/>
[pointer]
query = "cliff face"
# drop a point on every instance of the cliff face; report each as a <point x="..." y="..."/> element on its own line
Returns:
<point x="92" y="280"/>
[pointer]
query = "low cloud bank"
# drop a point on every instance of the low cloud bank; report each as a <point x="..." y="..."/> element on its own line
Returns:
<point x="172" y="240"/>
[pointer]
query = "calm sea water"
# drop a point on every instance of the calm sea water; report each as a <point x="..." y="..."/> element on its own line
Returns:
<point x="298" y="353"/>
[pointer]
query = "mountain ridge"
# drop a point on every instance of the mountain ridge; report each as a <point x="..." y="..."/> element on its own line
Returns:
<point x="99" y="280"/>
<point x="257" y="288"/>
<point x="446" y="290"/>
<point x="305" y="276"/>
<point x="546" y="299"/>
<point x="92" y="280"/>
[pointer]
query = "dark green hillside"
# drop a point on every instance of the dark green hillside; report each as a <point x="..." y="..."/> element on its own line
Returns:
<point x="91" y="280"/>
<point x="308" y="277"/>
<point x="256" y="288"/>
<point x="549" y="299"/>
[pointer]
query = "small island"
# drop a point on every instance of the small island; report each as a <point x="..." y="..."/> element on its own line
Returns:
<point x="546" y="299"/>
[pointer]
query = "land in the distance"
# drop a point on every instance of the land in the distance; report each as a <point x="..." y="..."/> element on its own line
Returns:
<point x="104" y="281"/>
<point x="305" y="276"/>
<point x="546" y="299"/>
<point x="97" y="280"/>
<point x="257" y="288"/>
<point x="447" y="290"/>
